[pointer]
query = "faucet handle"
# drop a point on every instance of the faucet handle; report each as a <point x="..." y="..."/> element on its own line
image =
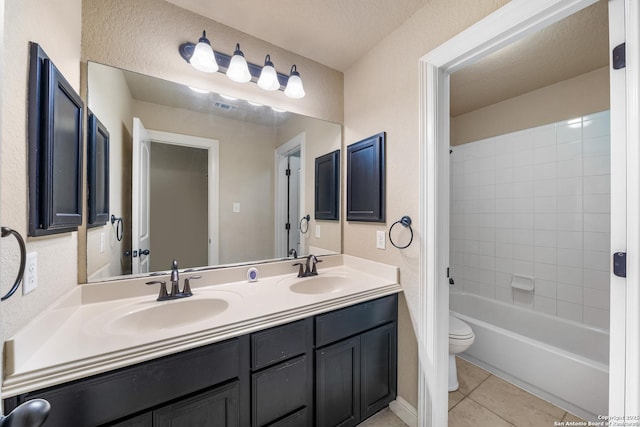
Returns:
<point x="186" y="291"/>
<point x="300" y="269"/>
<point x="314" y="271"/>
<point x="163" y="295"/>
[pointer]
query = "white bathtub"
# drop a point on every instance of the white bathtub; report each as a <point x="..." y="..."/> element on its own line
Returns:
<point x="563" y="362"/>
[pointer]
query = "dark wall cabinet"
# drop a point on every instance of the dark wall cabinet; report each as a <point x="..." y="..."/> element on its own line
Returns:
<point x="334" y="369"/>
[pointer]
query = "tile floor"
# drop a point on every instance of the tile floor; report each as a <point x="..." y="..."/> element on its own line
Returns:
<point x="484" y="400"/>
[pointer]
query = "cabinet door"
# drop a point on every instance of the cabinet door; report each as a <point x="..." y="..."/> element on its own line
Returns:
<point x="378" y="369"/>
<point x="338" y="384"/>
<point x="216" y="408"/>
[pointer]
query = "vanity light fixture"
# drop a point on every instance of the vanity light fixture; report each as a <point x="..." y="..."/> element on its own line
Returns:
<point x="198" y="90"/>
<point x="294" y="87"/>
<point x="268" y="77"/>
<point x="238" y="70"/>
<point x="228" y="98"/>
<point x="202" y="57"/>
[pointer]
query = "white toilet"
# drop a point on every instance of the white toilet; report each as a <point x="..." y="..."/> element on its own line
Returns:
<point x="460" y="338"/>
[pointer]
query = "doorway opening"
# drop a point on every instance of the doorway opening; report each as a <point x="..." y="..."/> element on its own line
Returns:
<point x="290" y="225"/>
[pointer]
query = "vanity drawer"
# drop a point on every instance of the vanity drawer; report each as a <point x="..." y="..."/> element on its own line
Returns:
<point x="280" y="390"/>
<point x="346" y="322"/>
<point x="281" y="343"/>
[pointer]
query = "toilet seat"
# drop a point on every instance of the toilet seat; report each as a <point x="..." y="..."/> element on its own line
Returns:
<point x="458" y="329"/>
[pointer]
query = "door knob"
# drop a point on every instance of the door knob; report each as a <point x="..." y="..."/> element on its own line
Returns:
<point x="144" y="252"/>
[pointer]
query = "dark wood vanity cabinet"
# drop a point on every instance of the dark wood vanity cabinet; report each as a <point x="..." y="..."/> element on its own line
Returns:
<point x="356" y="360"/>
<point x="334" y="369"/>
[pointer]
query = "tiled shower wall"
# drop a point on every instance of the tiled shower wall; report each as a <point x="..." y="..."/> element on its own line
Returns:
<point x="536" y="203"/>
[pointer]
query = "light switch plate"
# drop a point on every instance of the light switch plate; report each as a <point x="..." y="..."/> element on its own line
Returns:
<point x="102" y="242"/>
<point x="30" y="278"/>
<point x="317" y="231"/>
<point x="381" y="240"/>
<point x="236" y="207"/>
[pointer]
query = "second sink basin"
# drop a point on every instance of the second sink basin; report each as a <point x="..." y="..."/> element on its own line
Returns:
<point x="321" y="284"/>
<point x="167" y="315"/>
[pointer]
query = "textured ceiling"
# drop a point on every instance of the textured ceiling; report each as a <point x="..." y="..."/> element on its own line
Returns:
<point x="332" y="32"/>
<point x="573" y="46"/>
<point x="337" y="33"/>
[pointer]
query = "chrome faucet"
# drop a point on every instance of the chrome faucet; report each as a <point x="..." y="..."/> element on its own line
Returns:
<point x="309" y="268"/>
<point x="175" y="285"/>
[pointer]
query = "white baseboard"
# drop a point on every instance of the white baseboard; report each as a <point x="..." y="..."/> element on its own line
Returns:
<point x="404" y="411"/>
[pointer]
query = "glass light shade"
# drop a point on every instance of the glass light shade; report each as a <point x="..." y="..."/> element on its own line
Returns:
<point x="268" y="77"/>
<point x="238" y="70"/>
<point x="294" y="87"/>
<point x="203" y="58"/>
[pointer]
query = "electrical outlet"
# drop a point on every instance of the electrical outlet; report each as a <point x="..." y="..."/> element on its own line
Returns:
<point x="236" y="207"/>
<point x="381" y="239"/>
<point x="30" y="278"/>
<point x="317" y="231"/>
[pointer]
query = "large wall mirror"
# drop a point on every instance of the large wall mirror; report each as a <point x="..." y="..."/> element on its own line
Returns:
<point x="202" y="179"/>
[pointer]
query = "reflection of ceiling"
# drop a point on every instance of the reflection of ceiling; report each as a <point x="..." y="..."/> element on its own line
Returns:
<point x="332" y="32"/>
<point x="571" y="47"/>
<point x="163" y="92"/>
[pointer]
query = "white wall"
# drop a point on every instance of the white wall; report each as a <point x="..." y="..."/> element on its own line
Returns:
<point x="536" y="203"/>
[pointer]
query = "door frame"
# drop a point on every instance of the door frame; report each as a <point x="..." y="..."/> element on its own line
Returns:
<point x="213" y="169"/>
<point x="294" y="144"/>
<point x="508" y="24"/>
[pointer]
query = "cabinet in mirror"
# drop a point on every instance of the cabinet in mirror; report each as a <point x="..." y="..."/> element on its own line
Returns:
<point x="203" y="179"/>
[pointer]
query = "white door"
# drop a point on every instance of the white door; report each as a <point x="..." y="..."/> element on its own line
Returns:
<point x="294" y="202"/>
<point x="140" y="199"/>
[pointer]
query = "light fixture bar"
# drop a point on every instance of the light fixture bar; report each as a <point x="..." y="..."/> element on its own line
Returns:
<point x="223" y="60"/>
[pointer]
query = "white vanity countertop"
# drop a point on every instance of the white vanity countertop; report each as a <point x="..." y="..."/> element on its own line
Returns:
<point x="100" y="327"/>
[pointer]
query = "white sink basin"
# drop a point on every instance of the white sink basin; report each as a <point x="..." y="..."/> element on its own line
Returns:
<point x="321" y="284"/>
<point x="167" y="315"/>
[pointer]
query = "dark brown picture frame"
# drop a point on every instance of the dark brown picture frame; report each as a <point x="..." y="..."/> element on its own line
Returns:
<point x="55" y="120"/>
<point x="327" y="186"/>
<point x="366" y="179"/>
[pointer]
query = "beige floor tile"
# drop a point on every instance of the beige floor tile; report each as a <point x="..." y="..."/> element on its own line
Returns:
<point x="515" y="405"/>
<point x="469" y="376"/>
<point x="469" y="414"/>
<point x="384" y="418"/>
<point x="454" y="398"/>
<point x="571" y="417"/>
